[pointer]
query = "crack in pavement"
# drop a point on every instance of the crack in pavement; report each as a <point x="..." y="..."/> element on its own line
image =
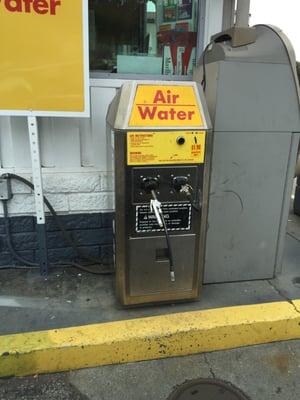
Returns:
<point x="209" y="365"/>
<point x="77" y="391"/>
<point x="283" y="295"/>
<point x="293" y="235"/>
<point x="295" y="307"/>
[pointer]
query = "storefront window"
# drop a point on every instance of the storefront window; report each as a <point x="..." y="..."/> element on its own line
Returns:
<point x="144" y="37"/>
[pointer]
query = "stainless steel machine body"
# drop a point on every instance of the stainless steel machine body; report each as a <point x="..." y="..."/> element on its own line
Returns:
<point x="253" y="99"/>
<point x="159" y="157"/>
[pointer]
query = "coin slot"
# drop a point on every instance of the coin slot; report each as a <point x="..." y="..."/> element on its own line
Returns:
<point x="162" y="255"/>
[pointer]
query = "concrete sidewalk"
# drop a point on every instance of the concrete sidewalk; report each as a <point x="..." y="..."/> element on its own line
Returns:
<point x="66" y="298"/>
<point x="69" y="298"/>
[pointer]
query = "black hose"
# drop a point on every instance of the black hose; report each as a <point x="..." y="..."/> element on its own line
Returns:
<point x="80" y="267"/>
<point x="9" y="241"/>
<point x="189" y="194"/>
<point x="68" y="238"/>
<point x="221" y="38"/>
<point x="194" y="207"/>
<point x="85" y="268"/>
<point x="65" y="233"/>
<point x="203" y="82"/>
<point x="191" y="199"/>
<point x="170" y="252"/>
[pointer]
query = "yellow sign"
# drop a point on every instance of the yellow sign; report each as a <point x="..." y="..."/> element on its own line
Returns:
<point x="165" y="106"/>
<point x="44" y="57"/>
<point x="153" y="148"/>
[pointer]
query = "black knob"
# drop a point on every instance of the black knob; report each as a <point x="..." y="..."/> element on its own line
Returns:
<point x="149" y="183"/>
<point x="180" y="140"/>
<point x="179" y="182"/>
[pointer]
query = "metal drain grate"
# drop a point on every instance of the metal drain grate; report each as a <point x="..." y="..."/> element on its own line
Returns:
<point x="207" y="389"/>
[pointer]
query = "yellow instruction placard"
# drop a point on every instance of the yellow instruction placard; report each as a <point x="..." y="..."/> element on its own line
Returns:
<point x="166" y="106"/>
<point x="44" y="63"/>
<point x="153" y="148"/>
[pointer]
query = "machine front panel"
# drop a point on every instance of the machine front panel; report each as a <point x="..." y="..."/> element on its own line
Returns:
<point x="148" y="261"/>
<point x="149" y="265"/>
<point x="161" y="182"/>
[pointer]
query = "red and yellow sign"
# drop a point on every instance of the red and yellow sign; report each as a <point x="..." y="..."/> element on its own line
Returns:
<point x="166" y="106"/>
<point x="154" y="148"/>
<point x="44" y="57"/>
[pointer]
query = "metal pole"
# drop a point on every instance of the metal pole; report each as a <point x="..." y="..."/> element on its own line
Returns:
<point x="38" y="194"/>
<point x="242" y="13"/>
<point x="228" y="14"/>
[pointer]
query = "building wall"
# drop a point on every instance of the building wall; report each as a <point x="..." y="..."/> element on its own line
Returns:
<point x="73" y="156"/>
<point x="76" y="177"/>
<point x="214" y="18"/>
<point x="92" y="233"/>
<point x="76" y="181"/>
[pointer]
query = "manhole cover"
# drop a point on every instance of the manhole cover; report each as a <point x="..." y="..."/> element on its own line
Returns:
<point x="207" y="389"/>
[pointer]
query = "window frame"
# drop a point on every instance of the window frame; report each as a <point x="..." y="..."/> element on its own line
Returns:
<point x="100" y="74"/>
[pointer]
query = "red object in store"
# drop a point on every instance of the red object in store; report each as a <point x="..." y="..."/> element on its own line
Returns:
<point x="176" y="39"/>
<point x="186" y="56"/>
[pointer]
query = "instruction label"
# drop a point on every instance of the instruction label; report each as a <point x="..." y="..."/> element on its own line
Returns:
<point x="153" y="148"/>
<point x="166" y="106"/>
<point x="177" y="217"/>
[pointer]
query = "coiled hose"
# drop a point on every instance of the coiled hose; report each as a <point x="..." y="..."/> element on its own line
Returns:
<point x="66" y="235"/>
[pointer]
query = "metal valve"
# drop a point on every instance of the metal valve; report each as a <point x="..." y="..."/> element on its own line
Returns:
<point x="150" y="184"/>
<point x="155" y="207"/>
<point x="186" y="189"/>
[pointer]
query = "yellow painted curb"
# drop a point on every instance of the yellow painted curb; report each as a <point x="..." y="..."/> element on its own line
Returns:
<point x="148" y="338"/>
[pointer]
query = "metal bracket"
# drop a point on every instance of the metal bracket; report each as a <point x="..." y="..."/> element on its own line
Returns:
<point x="38" y="194"/>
